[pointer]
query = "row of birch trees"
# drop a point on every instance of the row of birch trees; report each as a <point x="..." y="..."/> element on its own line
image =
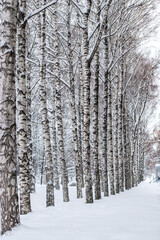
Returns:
<point x="74" y="91"/>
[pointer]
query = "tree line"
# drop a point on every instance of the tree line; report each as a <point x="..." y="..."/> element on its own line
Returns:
<point x="74" y="91"/>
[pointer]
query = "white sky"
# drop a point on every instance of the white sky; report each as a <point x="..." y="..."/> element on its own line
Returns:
<point x="151" y="48"/>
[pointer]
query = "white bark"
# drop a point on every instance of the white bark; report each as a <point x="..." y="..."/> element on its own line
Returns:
<point x="29" y="132"/>
<point x="8" y="174"/>
<point x="59" y="116"/>
<point x="45" y="122"/>
<point x="110" y="140"/>
<point x="96" y="119"/>
<point x="25" y="205"/>
<point x="105" y="119"/>
<point x="116" y="155"/>
<point x="73" y="105"/>
<point x="87" y="75"/>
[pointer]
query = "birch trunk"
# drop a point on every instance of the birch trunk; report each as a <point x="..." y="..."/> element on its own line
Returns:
<point x="59" y="116"/>
<point x="53" y="115"/>
<point x="8" y="180"/>
<point x="110" y="140"/>
<point x="127" y="152"/>
<point x="81" y="117"/>
<point x="141" y="164"/>
<point x="29" y="133"/>
<point x="54" y="147"/>
<point x="105" y="120"/>
<point x="132" y="154"/>
<point x="45" y="122"/>
<point x="87" y="75"/>
<point x="120" y="123"/>
<point x="25" y="205"/>
<point x="137" y="158"/>
<point x="97" y="184"/>
<point x="73" y="106"/>
<point x="116" y="136"/>
<point x="81" y="101"/>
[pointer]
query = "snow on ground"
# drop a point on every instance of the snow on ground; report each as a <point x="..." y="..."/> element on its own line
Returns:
<point x="132" y="215"/>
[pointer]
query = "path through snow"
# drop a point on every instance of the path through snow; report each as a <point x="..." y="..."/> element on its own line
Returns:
<point x="132" y="215"/>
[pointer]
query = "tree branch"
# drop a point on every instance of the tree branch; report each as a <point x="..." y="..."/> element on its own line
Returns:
<point x="37" y="11"/>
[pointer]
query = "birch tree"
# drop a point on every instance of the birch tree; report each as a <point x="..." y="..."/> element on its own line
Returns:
<point x="54" y="145"/>
<point x="86" y="88"/>
<point x="45" y="122"/>
<point x="25" y="205"/>
<point x="59" y="115"/>
<point x="105" y="111"/>
<point x="29" y="132"/>
<point x="8" y="163"/>
<point x="96" y="119"/>
<point x="73" y="105"/>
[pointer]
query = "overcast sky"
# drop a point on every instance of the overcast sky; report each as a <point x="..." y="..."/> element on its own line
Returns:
<point x="151" y="48"/>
